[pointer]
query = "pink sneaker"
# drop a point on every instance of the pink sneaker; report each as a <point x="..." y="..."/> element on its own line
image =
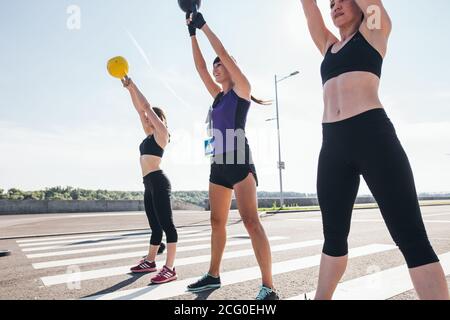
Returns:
<point x="144" y="266"/>
<point x="164" y="276"/>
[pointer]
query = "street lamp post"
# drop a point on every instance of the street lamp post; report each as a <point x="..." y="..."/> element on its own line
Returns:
<point x="281" y="164"/>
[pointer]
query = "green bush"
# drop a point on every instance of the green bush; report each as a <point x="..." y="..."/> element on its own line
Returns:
<point x="197" y="198"/>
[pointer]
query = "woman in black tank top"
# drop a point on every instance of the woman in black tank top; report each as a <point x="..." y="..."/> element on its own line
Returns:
<point x="360" y="140"/>
<point x="157" y="196"/>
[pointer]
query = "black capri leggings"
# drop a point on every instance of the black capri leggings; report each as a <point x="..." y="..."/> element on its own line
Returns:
<point x="367" y="145"/>
<point x="158" y="208"/>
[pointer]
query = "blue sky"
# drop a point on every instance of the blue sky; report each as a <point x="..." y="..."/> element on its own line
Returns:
<point x="64" y="121"/>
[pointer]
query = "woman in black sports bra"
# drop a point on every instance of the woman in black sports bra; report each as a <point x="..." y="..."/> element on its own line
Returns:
<point x="359" y="139"/>
<point x="157" y="187"/>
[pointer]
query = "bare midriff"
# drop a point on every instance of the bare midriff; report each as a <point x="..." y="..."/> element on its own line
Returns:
<point x="350" y="94"/>
<point x="150" y="164"/>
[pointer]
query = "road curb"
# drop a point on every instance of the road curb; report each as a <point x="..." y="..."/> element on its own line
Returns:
<point x="318" y="210"/>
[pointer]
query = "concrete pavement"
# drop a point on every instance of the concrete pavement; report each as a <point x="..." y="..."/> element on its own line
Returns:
<point x="80" y="263"/>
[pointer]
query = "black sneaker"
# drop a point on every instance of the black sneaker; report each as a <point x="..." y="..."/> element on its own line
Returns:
<point x="267" y="294"/>
<point x="5" y="253"/>
<point x="207" y="282"/>
<point x="162" y="247"/>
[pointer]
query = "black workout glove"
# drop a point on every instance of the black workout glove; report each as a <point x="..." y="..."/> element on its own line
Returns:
<point x="192" y="30"/>
<point x="197" y="22"/>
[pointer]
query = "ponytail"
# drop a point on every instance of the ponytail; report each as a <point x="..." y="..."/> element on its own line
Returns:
<point x="261" y="102"/>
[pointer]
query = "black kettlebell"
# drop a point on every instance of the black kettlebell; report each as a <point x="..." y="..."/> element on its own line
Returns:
<point x="190" y="5"/>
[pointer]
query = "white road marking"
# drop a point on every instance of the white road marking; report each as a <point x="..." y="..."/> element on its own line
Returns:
<point x="109" y="272"/>
<point x="93" y="259"/>
<point x="93" y="235"/>
<point x="382" y="285"/>
<point x="369" y="220"/>
<point x="144" y="239"/>
<point x="97" y="215"/>
<point x="109" y="248"/>
<point x="98" y="238"/>
<point x="232" y="277"/>
<point x="436" y="215"/>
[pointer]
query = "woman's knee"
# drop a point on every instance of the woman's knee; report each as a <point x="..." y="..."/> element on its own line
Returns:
<point x="252" y="224"/>
<point x="156" y="237"/>
<point x="170" y="230"/>
<point x="218" y="222"/>
<point x="335" y="244"/>
<point x="412" y="239"/>
<point x="417" y="250"/>
<point x="172" y="235"/>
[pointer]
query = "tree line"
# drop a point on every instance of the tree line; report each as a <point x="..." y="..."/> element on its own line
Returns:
<point x="71" y="193"/>
<point x="193" y="197"/>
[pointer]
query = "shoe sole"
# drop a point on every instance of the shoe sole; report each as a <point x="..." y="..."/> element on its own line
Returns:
<point x="145" y="271"/>
<point x="271" y="298"/>
<point x="165" y="281"/>
<point x="205" y="288"/>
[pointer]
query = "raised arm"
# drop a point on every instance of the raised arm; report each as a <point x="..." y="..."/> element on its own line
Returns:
<point x="148" y="117"/>
<point x="241" y="83"/>
<point x="376" y="18"/>
<point x="320" y="34"/>
<point x="202" y="68"/>
<point x="377" y="24"/>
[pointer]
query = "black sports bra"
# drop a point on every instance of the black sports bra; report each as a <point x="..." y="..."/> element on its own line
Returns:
<point x="357" y="55"/>
<point x="150" y="147"/>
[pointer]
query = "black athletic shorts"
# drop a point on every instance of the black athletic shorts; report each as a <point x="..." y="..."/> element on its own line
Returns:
<point x="229" y="173"/>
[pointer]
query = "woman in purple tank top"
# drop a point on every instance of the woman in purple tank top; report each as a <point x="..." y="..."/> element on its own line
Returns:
<point x="232" y="167"/>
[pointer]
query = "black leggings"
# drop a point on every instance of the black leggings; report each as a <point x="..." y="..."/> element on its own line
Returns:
<point x="158" y="208"/>
<point x="367" y="145"/>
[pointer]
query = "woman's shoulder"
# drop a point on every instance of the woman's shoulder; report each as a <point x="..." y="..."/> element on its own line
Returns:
<point x="241" y="96"/>
<point x="233" y="92"/>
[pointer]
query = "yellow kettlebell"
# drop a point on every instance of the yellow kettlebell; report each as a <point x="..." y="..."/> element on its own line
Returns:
<point x="118" y="67"/>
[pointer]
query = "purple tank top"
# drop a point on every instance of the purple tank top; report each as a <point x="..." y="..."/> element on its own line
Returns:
<point x="229" y="116"/>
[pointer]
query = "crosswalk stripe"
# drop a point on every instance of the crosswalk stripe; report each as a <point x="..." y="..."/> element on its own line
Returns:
<point x="103" y="243"/>
<point x="382" y="285"/>
<point x="368" y="220"/>
<point x="93" y="259"/>
<point x="102" y="238"/>
<point x="107" y="215"/>
<point x="232" y="277"/>
<point x="93" y="235"/>
<point x="109" y="248"/>
<point x="109" y="272"/>
<point x="436" y="214"/>
<point x="436" y="221"/>
<point x="88" y="244"/>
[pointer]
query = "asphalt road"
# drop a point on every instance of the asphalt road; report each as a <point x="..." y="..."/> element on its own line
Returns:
<point x="79" y="256"/>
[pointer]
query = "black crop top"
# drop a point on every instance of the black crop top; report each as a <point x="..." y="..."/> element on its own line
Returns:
<point x="150" y="147"/>
<point x="357" y="55"/>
